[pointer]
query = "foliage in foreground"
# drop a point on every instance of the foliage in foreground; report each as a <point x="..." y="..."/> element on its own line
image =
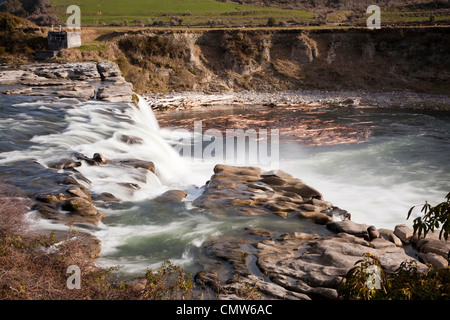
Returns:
<point x="433" y="218"/>
<point x="34" y="267"/>
<point x="367" y="279"/>
<point x="406" y="283"/>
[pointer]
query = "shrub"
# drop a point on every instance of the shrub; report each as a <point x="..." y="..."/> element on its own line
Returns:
<point x="406" y="283"/>
<point x="12" y="212"/>
<point x="433" y="218"/>
<point x="272" y="22"/>
<point x="168" y="282"/>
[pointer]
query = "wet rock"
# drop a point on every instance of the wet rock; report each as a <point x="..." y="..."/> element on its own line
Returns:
<point x="65" y="164"/>
<point x="99" y="158"/>
<point x="277" y="173"/>
<point x="80" y="206"/>
<point x="79" y="192"/>
<point x="131" y="139"/>
<point x="47" y="210"/>
<point x="338" y="213"/>
<point x="51" y="197"/>
<point x="90" y="161"/>
<point x="130" y="185"/>
<point x="105" y="197"/>
<point x="171" y="196"/>
<point x="135" y="163"/>
<point x="300" y="188"/>
<point x="317" y="216"/>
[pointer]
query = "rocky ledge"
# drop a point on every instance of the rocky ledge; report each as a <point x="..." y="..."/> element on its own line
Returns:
<point x="251" y="191"/>
<point x="72" y="197"/>
<point x="297" y="265"/>
<point x="83" y="80"/>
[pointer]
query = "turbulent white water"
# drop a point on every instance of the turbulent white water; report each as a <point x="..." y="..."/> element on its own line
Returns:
<point x="404" y="163"/>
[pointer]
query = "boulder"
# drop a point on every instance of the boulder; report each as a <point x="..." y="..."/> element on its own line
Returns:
<point x="433" y="245"/>
<point x="403" y="232"/>
<point x="389" y="235"/>
<point x="80" y="206"/>
<point x="120" y="92"/>
<point x="435" y="260"/>
<point x="79" y="192"/>
<point x="395" y="240"/>
<point x="350" y="227"/>
<point x="373" y="232"/>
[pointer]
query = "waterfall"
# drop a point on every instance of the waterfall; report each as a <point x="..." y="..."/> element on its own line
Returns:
<point x="139" y="123"/>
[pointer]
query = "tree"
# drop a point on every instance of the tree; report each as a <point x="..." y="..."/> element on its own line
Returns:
<point x="433" y="218"/>
<point x="13" y="7"/>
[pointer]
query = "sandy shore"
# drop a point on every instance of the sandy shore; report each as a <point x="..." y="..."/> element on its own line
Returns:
<point x="342" y="98"/>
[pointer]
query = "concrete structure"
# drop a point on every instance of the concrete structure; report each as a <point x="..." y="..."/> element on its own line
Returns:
<point x="58" y="40"/>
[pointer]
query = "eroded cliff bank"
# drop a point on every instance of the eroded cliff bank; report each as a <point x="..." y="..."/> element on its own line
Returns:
<point x="390" y="59"/>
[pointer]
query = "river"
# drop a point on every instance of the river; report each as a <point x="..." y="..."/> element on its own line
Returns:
<point x="401" y="162"/>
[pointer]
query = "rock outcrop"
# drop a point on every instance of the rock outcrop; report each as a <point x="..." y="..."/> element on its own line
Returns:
<point x="62" y="195"/>
<point x="79" y="80"/>
<point x="248" y="190"/>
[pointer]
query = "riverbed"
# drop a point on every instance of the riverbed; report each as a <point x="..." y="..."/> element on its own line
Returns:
<point x="386" y="160"/>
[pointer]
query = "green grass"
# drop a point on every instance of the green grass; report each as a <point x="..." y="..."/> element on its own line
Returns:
<point x="193" y="12"/>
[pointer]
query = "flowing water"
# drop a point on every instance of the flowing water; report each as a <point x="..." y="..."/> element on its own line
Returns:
<point x="404" y="162"/>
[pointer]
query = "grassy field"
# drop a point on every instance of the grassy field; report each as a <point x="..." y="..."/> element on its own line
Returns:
<point x="191" y="13"/>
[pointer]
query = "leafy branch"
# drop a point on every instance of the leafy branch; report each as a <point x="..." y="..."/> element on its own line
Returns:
<point x="433" y="218"/>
